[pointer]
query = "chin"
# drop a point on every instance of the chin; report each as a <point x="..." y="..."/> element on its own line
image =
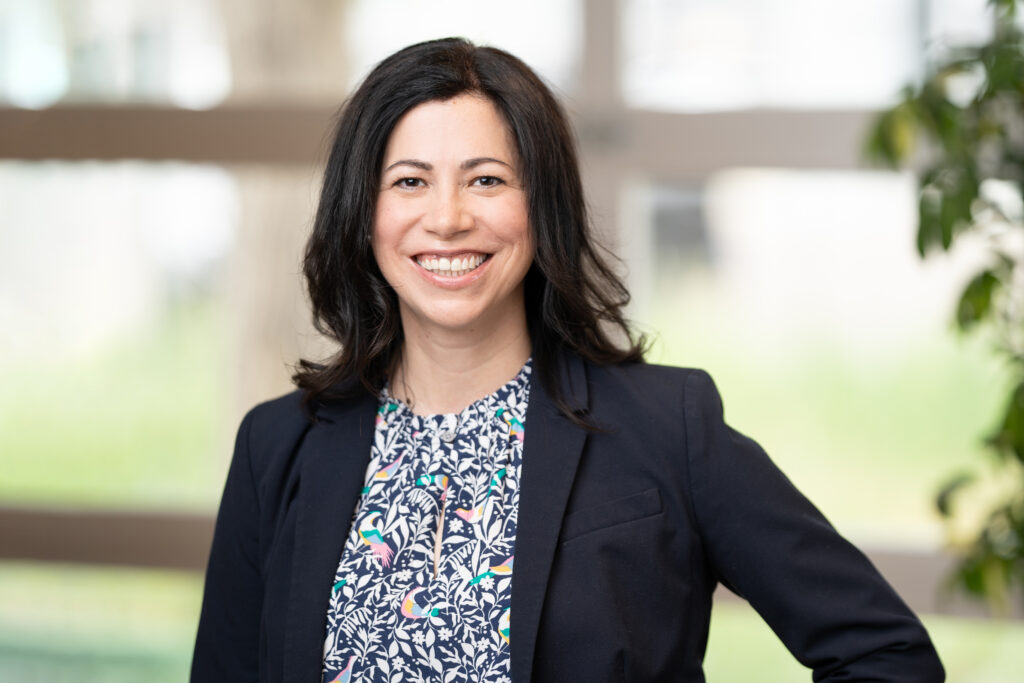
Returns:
<point x="459" y="319"/>
<point x="457" y="322"/>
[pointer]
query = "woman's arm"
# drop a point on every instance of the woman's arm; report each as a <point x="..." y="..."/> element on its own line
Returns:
<point x="768" y="543"/>
<point x="227" y="643"/>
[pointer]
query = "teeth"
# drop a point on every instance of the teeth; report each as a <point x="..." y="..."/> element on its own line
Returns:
<point x="453" y="267"/>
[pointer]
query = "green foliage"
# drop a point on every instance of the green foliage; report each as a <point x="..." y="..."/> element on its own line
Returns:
<point x="963" y="127"/>
<point x="1009" y="439"/>
<point x="976" y="301"/>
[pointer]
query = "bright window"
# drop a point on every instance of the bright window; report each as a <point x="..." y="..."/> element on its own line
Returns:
<point x="546" y="34"/>
<point x="708" y="55"/>
<point x="112" y="350"/>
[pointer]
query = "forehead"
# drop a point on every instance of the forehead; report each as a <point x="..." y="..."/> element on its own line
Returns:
<point x="463" y="127"/>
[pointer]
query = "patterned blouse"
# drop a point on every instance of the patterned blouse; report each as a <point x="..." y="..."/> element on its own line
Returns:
<point x="424" y="585"/>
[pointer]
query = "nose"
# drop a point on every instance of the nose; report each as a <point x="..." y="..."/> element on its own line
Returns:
<point x="448" y="215"/>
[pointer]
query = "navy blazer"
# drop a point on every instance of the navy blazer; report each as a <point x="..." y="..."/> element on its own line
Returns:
<point x="623" y="534"/>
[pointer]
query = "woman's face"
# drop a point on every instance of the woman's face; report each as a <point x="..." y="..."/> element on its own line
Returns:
<point x="451" y="233"/>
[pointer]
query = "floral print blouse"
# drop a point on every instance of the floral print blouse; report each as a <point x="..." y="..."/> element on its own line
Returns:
<point x="424" y="585"/>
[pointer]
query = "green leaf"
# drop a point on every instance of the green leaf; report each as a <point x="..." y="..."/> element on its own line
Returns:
<point x="971" y="573"/>
<point x="1004" y="67"/>
<point x="891" y="140"/>
<point x="985" y="574"/>
<point x="944" y="498"/>
<point x="1009" y="437"/>
<point x="950" y="120"/>
<point x="976" y="300"/>
<point x="949" y="213"/>
<point x="957" y="188"/>
<point x="929" y="230"/>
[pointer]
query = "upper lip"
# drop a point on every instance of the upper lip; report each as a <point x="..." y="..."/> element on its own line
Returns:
<point x="449" y="253"/>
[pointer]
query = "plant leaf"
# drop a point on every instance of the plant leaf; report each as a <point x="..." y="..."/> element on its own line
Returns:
<point x="891" y="140"/>
<point x="929" y="231"/>
<point x="1009" y="437"/>
<point x="944" y="499"/>
<point x="976" y="300"/>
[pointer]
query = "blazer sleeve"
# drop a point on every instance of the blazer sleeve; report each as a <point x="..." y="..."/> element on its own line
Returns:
<point x="769" y="544"/>
<point x="228" y="637"/>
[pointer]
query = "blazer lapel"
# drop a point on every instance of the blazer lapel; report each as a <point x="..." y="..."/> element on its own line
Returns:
<point x="337" y="450"/>
<point x="551" y="454"/>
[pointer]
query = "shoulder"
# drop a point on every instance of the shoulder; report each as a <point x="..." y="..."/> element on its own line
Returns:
<point x="280" y="415"/>
<point x="652" y="402"/>
<point x="273" y="428"/>
<point x="650" y="373"/>
<point x="650" y="383"/>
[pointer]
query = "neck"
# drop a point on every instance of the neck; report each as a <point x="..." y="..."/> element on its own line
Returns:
<point x="444" y="373"/>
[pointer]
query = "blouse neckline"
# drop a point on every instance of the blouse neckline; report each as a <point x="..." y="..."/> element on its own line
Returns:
<point x="395" y="408"/>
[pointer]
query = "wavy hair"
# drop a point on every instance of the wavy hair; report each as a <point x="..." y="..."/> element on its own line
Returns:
<point x="574" y="300"/>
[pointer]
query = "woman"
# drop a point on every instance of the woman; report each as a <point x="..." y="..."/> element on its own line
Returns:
<point x="487" y="482"/>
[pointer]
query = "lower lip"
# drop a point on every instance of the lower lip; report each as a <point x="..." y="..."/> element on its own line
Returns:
<point x="449" y="282"/>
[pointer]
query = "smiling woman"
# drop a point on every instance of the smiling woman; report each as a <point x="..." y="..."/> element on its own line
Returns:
<point x="458" y="148"/>
<point x="451" y="236"/>
<point x="486" y="482"/>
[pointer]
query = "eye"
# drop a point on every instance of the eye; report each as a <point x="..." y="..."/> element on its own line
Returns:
<point x="408" y="183"/>
<point x="488" y="181"/>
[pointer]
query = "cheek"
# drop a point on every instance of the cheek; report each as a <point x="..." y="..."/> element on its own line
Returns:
<point x="528" y="244"/>
<point x="382" y="247"/>
<point x="386" y="232"/>
<point x="377" y="240"/>
<point x="514" y="224"/>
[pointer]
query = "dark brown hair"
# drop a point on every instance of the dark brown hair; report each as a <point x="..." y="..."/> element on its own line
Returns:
<point x="574" y="300"/>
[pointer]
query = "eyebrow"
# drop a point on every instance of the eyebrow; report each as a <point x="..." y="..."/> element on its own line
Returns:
<point x="465" y="165"/>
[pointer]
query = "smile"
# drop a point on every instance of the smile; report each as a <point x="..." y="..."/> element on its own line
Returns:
<point x="451" y="266"/>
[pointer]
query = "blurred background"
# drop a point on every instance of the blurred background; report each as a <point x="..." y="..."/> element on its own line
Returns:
<point x="159" y="167"/>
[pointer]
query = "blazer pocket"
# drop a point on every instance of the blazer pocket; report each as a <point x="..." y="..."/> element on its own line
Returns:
<point x="628" y="509"/>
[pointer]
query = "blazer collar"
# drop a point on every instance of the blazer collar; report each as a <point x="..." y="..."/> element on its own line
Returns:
<point x="337" y="452"/>
<point x="551" y="454"/>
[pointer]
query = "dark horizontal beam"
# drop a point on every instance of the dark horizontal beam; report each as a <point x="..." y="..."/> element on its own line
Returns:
<point x="685" y="148"/>
<point x="182" y="541"/>
<point x="693" y="144"/>
<point x="663" y="145"/>
<point x="282" y="135"/>
<point x="141" y="539"/>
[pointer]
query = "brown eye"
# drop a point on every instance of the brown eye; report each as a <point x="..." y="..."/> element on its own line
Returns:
<point x="488" y="181"/>
<point x="408" y="183"/>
